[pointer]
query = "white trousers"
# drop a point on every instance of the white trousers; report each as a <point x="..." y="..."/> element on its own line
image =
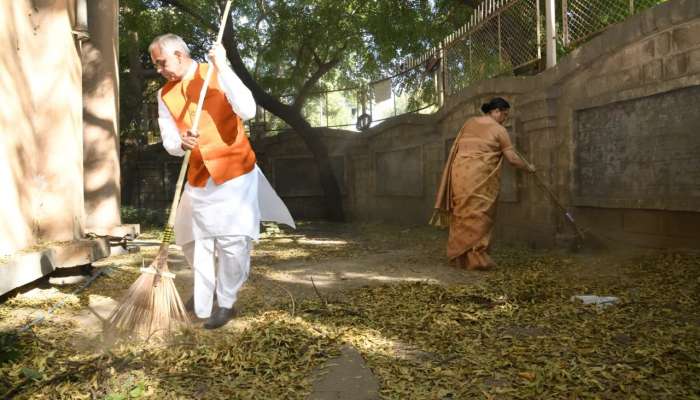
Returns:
<point x="233" y="253"/>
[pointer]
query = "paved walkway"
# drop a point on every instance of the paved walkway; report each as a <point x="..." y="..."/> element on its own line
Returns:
<point x="345" y="377"/>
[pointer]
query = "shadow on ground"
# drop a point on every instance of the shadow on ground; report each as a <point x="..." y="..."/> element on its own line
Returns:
<point x="384" y="300"/>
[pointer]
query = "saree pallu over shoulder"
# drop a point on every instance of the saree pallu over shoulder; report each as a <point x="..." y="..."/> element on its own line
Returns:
<point x="441" y="210"/>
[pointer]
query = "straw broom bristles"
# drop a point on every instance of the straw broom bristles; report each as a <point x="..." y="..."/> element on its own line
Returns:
<point x="152" y="305"/>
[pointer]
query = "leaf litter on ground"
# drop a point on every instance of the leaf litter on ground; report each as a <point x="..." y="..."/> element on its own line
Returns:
<point x="513" y="335"/>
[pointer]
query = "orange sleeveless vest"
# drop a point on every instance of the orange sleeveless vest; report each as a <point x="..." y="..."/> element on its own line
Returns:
<point x="223" y="150"/>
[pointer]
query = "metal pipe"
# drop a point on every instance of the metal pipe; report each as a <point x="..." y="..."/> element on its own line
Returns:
<point x="442" y="74"/>
<point x="565" y="22"/>
<point x="551" y="33"/>
<point x="539" y="30"/>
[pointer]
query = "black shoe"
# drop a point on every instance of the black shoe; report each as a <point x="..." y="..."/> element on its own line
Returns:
<point x="220" y="317"/>
<point x="189" y="305"/>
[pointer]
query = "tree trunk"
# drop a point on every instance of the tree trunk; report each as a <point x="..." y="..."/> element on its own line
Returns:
<point x="293" y="117"/>
<point x="131" y="107"/>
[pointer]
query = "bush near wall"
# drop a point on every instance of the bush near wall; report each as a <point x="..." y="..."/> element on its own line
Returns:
<point x="146" y="217"/>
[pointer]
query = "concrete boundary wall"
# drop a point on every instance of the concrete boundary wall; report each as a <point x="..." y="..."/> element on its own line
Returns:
<point x="59" y="148"/>
<point x="605" y="87"/>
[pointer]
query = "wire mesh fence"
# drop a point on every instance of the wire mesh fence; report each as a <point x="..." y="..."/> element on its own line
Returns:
<point x="501" y="37"/>
<point x="332" y="108"/>
<point x="411" y="91"/>
<point x="521" y="26"/>
<point x="582" y="19"/>
<point x="360" y="107"/>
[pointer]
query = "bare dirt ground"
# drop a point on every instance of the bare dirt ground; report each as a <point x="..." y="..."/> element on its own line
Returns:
<point x="382" y="298"/>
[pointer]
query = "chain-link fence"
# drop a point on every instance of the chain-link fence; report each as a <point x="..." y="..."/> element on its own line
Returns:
<point x="357" y="108"/>
<point x="582" y="19"/>
<point x="411" y="91"/>
<point x="332" y="108"/>
<point x="501" y="37"/>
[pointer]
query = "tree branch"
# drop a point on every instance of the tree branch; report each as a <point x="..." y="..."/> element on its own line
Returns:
<point x="305" y="90"/>
<point x="191" y="12"/>
<point x="323" y="68"/>
<point x="296" y="71"/>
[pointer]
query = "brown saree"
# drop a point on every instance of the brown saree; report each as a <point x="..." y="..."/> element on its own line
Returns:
<point x="469" y="189"/>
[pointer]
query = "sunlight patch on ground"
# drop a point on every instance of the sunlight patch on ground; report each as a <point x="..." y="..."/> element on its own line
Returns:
<point x="322" y="242"/>
<point x="369" y="276"/>
<point x="302" y="277"/>
<point x="38" y="297"/>
<point x="323" y="279"/>
<point x="287" y="254"/>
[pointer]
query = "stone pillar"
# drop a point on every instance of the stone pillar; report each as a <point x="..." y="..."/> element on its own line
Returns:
<point x="101" y="116"/>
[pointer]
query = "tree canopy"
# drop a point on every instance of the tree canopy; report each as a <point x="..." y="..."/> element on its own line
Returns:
<point x="295" y="47"/>
<point x="284" y="50"/>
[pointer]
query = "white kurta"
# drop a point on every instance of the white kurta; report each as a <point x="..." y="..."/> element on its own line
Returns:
<point x="236" y="207"/>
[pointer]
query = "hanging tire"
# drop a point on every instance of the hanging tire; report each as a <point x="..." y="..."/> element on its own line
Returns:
<point x="364" y="121"/>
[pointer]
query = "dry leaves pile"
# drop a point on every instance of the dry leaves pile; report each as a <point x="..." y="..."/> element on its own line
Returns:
<point x="272" y="358"/>
<point x="519" y="335"/>
<point x="515" y="335"/>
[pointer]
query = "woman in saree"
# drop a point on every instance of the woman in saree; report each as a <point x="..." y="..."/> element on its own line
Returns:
<point x="471" y="183"/>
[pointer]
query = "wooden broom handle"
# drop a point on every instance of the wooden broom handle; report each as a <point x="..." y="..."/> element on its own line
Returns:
<point x="554" y="198"/>
<point x="195" y="126"/>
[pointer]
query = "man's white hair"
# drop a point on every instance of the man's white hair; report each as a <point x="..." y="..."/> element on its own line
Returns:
<point x="169" y="42"/>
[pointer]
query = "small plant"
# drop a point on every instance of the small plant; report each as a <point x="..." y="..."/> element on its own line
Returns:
<point x="130" y="391"/>
<point x="9" y="350"/>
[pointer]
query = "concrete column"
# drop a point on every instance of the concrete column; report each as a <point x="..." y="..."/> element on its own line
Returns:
<point x="101" y="116"/>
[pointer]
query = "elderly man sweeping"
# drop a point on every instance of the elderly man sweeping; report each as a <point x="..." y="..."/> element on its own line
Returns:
<point x="226" y="195"/>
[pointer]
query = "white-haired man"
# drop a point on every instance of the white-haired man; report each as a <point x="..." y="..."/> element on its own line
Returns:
<point x="226" y="195"/>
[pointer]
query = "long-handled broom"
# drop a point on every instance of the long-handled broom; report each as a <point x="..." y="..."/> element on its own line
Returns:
<point x="152" y="304"/>
<point x="583" y="236"/>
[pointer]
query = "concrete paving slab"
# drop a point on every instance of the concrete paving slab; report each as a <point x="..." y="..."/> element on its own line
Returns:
<point x="345" y="377"/>
<point x="25" y="268"/>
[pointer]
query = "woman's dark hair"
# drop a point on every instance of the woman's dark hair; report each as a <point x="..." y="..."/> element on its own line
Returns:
<point x="497" y="103"/>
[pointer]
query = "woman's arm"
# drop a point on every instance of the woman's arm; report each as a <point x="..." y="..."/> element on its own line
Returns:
<point x="510" y="154"/>
<point x="516" y="161"/>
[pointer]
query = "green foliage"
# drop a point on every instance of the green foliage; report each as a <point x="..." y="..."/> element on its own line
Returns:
<point x="148" y="218"/>
<point x="8" y="347"/>
<point x="130" y="392"/>
<point x="284" y="42"/>
<point x="31" y="373"/>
